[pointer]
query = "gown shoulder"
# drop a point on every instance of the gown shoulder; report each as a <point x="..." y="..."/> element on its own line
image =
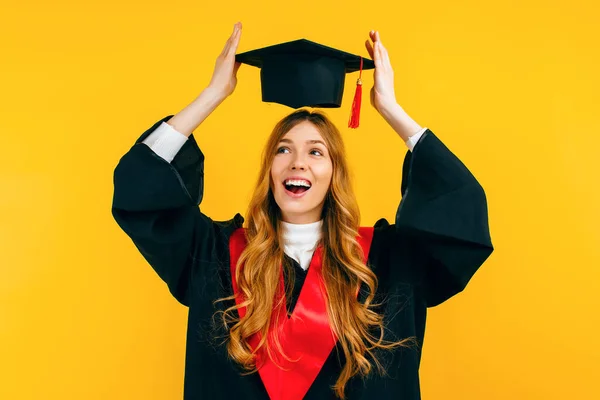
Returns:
<point x="440" y="236"/>
<point x="156" y="203"/>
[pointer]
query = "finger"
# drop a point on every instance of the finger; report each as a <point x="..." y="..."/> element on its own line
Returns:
<point x="377" y="56"/>
<point x="238" y="35"/>
<point x="369" y="47"/>
<point x="385" y="58"/>
<point x="372" y="35"/>
<point x="234" y="43"/>
<point x="226" y="47"/>
<point x="235" y="29"/>
<point x="229" y="40"/>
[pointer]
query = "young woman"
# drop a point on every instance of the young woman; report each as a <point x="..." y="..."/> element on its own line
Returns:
<point x="302" y="302"/>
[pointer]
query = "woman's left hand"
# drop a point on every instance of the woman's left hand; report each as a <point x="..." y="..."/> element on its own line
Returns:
<point x="383" y="96"/>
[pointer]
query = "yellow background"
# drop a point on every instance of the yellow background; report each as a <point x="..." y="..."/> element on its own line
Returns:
<point x="511" y="87"/>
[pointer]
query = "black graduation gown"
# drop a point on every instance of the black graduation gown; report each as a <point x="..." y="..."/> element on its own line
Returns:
<point x="439" y="239"/>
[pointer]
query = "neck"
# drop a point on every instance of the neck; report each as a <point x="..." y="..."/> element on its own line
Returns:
<point x="300" y="240"/>
<point x="307" y="227"/>
<point x="296" y="233"/>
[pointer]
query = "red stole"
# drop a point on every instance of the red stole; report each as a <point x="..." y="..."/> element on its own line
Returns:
<point x="306" y="336"/>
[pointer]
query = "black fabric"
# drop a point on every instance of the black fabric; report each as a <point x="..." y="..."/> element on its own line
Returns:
<point x="439" y="240"/>
<point x="298" y="276"/>
<point x="303" y="73"/>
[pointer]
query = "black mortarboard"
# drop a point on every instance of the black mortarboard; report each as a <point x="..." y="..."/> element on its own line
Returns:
<point x="304" y="73"/>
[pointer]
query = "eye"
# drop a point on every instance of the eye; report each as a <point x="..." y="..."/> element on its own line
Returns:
<point x="282" y="149"/>
<point x="319" y="153"/>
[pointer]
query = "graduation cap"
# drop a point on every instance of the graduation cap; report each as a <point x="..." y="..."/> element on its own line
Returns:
<point x="304" y="73"/>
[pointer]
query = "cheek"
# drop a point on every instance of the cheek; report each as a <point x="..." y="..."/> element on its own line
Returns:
<point x="324" y="174"/>
<point x="275" y="174"/>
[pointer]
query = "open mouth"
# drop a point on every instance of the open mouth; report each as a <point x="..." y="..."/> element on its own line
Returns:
<point x="297" y="186"/>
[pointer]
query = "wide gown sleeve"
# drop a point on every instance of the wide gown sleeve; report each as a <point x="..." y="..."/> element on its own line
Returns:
<point x="444" y="211"/>
<point x="156" y="203"/>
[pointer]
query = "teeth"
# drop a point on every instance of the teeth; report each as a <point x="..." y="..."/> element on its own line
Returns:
<point x="297" y="182"/>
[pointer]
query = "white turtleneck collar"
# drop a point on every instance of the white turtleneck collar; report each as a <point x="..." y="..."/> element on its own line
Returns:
<point x="300" y="241"/>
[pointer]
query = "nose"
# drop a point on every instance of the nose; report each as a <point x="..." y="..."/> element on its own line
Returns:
<point x="298" y="163"/>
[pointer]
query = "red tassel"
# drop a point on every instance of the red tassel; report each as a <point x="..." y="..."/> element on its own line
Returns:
<point x="355" y="116"/>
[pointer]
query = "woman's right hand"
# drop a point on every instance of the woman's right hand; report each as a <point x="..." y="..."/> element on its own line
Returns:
<point x="224" y="77"/>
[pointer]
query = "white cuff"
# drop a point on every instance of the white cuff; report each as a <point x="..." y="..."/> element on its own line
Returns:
<point x="165" y="141"/>
<point x="412" y="141"/>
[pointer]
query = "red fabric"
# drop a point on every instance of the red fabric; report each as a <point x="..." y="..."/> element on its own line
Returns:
<point x="306" y="336"/>
<point x="355" y="114"/>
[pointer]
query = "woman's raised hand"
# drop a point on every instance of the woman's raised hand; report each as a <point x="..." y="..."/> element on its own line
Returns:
<point x="382" y="93"/>
<point x="224" y="77"/>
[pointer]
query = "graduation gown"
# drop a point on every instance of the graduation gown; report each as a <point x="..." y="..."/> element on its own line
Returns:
<point x="439" y="238"/>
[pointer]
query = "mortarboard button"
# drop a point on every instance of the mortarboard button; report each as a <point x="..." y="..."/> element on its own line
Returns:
<point x="304" y="73"/>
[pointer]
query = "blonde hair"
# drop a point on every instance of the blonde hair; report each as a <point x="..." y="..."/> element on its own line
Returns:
<point x="342" y="266"/>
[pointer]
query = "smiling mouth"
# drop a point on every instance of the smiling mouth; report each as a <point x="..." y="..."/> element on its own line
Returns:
<point x="296" y="186"/>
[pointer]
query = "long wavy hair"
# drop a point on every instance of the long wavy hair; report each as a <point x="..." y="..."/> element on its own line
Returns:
<point x="358" y="327"/>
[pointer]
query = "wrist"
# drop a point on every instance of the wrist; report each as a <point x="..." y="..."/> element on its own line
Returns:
<point x="213" y="95"/>
<point x="400" y="121"/>
<point x="389" y="111"/>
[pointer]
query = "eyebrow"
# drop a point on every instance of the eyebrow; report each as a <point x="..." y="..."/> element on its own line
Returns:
<point x="308" y="141"/>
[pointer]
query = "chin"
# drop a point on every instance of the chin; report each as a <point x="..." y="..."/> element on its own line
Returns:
<point x="294" y="209"/>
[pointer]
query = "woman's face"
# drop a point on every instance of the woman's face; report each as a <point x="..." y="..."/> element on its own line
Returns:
<point x="301" y="174"/>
